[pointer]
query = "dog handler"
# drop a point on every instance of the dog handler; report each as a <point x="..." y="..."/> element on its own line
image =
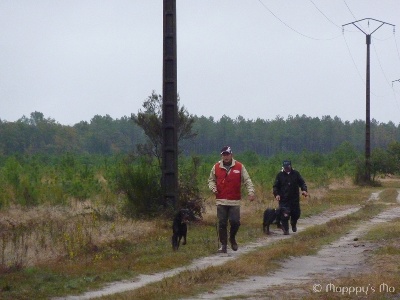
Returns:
<point x="225" y="181"/>
<point x="286" y="192"/>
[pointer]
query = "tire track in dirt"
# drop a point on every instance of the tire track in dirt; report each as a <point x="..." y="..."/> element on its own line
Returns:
<point x="214" y="260"/>
<point x="343" y="257"/>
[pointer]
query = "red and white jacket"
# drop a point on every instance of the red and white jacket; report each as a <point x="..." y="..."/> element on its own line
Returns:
<point x="227" y="182"/>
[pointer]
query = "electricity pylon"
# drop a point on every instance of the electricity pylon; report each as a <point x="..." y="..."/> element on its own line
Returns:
<point x="367" y="174"/>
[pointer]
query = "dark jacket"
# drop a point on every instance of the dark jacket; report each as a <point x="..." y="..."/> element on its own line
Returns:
<point x="287" y="186"/>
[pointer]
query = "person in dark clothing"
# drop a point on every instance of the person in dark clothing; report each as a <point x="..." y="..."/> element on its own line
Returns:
<point x="286" y="192"/>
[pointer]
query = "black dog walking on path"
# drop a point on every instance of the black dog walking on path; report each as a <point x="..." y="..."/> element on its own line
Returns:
<point x="179" y="228"/>
<point x="274" y="216"/>
<point x="271" y="216"/>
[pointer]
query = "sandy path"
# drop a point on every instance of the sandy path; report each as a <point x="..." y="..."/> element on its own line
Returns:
<point x="214" y="260"/>
<point x="342" y="257"/>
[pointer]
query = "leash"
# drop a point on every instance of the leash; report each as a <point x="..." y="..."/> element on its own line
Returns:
<point x="306" y="201"/>
<point x="217" y="229"/>
<point x="271" y="203"/>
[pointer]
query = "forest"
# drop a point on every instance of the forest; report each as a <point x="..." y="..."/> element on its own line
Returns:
<point x="107" y="136"/>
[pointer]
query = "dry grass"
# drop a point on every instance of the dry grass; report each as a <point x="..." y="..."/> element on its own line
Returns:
<point x="344" y="183"/>
<point x="44" y="234"/>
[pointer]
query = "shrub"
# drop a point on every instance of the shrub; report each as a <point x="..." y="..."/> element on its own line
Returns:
<point x="140" y="182"/>
<point x="189" y="192"/>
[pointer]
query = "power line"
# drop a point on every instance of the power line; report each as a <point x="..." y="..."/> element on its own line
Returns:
<point x="349" y="10"/>
<point x="291" y="28"/>
<point x="358" y="71"/>
<point x="393" y="81"/>
<point x="380" y="65"/>
<point x="397" y="48"/>
<point x="394" y="94"/>
<point x="384" y="74"/>
<point x="351" y="56"/>
<point x="326" y="16"/>
<point x="384" y="39"/>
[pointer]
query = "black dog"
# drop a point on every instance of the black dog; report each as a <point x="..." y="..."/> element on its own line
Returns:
<point x="179" y="228"/>
<point x="279" y="216"/>
<point x="271" y="216"/>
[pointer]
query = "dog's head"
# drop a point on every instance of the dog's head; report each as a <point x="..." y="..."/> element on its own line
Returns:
<point x="285" y="212"/>
<point x="184" y="215"/>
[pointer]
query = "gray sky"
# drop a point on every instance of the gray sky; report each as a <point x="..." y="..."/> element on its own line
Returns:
<point x="72" y="60"/>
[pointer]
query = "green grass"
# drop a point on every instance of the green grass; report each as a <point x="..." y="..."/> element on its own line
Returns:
<point x="384" y="232"/>
<point x="389" y="195"/>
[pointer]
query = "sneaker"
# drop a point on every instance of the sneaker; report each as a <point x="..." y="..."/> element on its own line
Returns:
<point x="234" y="245"/>
<point x="222" y="249"/>
<point x="294" y="227"/>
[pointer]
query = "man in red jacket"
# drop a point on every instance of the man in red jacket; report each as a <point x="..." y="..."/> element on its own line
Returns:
<point x="225" y="181"/>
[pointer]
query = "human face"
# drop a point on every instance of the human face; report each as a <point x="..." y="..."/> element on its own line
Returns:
<point x="288" y="168"/>
<point x="226" y="157"/>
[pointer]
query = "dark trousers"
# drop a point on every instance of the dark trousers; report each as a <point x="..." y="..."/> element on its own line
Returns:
<point x="227" y="213"/>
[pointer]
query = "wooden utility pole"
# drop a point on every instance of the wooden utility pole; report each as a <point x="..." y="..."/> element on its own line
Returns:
<point x="169" y="107"/>
<point x="367" y="175"/>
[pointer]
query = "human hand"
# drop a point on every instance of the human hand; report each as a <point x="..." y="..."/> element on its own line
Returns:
<point x="304" y="193"/>
<point x="278" y="198"/>
<point x="251" y="197"/>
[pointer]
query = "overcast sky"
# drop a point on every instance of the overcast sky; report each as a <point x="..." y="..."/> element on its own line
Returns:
<point x="72" y="60"/>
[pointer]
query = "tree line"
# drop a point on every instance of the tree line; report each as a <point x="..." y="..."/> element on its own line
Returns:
<point x="107" y="136"/>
